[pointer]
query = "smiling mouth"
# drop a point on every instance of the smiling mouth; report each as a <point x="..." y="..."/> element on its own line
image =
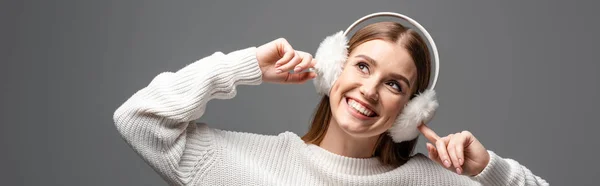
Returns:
<point x="360" y="108"/>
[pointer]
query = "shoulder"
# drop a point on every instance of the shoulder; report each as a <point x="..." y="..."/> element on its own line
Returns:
<point x="421" y="158"/>
<point x="420" y="164"/>
<point x="239" y="139"/>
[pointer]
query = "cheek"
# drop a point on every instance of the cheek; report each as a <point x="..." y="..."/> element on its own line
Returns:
<point x="340" y="87"/>
<point x="341" y="83"/>
<point x="394" y="106"/>
<point x="335" y="87"/>
<point x="336" y="92"/>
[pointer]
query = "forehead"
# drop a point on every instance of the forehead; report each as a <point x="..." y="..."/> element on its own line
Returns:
<point x="390" y="57"/>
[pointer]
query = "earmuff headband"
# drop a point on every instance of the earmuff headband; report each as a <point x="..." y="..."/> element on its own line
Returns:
<point x="332" y="54"/>
<point x="436" y="58"/>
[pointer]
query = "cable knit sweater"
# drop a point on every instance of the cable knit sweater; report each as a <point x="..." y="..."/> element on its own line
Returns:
<point x="158" y="122"/>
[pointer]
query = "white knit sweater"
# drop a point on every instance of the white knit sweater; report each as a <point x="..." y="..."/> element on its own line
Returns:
<point x="158" y="123"/>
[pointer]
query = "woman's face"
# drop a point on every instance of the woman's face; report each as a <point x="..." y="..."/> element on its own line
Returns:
<point x="374" y="86"/>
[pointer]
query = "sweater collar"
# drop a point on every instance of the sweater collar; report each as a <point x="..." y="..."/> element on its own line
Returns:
<point x="346" y="165"/>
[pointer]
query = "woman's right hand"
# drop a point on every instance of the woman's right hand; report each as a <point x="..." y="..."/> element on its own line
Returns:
<point x="277" y="58"/>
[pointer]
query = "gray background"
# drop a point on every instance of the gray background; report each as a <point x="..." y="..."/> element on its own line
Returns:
<point x="521" y="75"/>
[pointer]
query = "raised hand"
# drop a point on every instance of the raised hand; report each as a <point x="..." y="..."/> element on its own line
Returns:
<point x="460" y="152"/>
<point x="277" y="58"/>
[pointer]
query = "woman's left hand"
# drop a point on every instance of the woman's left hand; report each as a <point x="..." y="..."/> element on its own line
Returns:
<point x="461" y="152"/>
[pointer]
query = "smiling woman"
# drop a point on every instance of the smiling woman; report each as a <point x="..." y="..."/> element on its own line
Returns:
<point x="387" y="66"/>
<point x="385" y="60"/>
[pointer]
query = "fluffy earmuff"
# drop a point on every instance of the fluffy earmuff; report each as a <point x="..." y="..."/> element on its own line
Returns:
<point x="418" y="110"/>
<point x="333" y="51"/>
<point x="331" y="56"/>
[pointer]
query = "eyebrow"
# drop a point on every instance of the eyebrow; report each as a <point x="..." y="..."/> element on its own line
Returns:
<point x="394" y="75"/>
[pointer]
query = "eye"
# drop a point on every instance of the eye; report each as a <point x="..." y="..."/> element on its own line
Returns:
<point x="395" y="85"/>
<point x="364" y="67"/>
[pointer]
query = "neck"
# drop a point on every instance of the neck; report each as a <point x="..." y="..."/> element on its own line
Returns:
<point x="339" y="142"/>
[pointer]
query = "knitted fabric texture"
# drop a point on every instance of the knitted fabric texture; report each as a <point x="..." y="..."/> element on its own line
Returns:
<point x="158" y="122"/>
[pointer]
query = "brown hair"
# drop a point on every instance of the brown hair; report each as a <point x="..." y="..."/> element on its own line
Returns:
<point x="389" y="153"/>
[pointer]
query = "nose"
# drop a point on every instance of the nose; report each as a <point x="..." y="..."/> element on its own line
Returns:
<point x="369" y="90"/>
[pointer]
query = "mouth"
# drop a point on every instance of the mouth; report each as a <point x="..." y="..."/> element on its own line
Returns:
<point x="359" y="110"/>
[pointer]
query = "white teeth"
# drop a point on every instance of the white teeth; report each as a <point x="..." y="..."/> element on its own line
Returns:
<point x="358" y="107"/>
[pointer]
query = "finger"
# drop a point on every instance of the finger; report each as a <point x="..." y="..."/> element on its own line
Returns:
<point x="442" y="152"/>
<point x="290" y="65"/>
<point x="300" y="78"/>
<point x="452" y="146"/>
<point x="459" y="170"/>
<point x="428" y="133"/>
<point x="456" y="149"/>
<point x="285" y="50"/>
<point x="312" y="63"/>
<point x="460" y="153"/>
<point x="306" y="60"/>
<point x="433" y="154"/>
<point x="287" y="56"/>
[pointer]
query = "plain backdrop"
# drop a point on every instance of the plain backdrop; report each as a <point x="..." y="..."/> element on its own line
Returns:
<point x="521" y="75"/>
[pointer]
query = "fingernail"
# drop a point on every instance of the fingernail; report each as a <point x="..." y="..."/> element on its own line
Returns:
<point x="446" y="163"/>
<point x="460" y="161"/>
<point x="298" y="68"/>
<point x="279" y="71"/>
<point x="458" y="171"/>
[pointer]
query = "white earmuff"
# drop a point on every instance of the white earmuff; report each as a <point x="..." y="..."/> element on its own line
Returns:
<point x="332" y="54"/>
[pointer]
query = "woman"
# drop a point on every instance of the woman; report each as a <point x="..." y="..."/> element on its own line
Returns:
<point x="347" y="143"/>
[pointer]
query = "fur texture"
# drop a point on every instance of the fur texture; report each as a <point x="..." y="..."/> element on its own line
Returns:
<point x="418" y="110"/>
<point x="331" y="56"/>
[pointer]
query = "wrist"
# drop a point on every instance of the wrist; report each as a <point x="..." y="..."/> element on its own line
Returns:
<point x="496" y="171"/>
<point x="486" y="160"/>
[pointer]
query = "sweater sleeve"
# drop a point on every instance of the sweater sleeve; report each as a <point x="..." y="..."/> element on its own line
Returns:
<point x="158" y="121"/>
<point x="501" y="171"/>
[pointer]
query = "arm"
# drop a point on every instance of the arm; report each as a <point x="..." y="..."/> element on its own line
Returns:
<point x="158" y="120"/>
<point x="501" y="171"/>
<point x="464" y="154"/>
